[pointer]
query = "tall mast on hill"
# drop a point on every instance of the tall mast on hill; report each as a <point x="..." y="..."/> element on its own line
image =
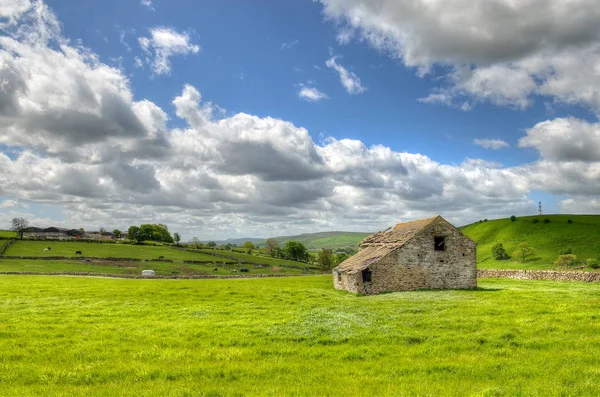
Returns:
<point x="540" y="208"/>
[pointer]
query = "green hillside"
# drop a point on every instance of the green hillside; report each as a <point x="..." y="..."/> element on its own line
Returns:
<point x="7" y="234"/>
<point x="315" y="241"/>
<point x="549" y="239"/>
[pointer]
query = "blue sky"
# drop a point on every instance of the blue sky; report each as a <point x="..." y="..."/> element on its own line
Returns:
<point x="430" y="98"/>
<point x="243" y="67"/>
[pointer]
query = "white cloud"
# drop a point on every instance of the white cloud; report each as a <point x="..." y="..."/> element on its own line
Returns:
<point x="102" y="157"/>
<point x="311" y="94"/>
<point x="289" y="44"/>
<point x="495" y="144"/>
<point x="164" y="43"/>
<point x="148" y="3"/>
<point x="498" y="51"/>
<point x="349" y="80"/>
<point x="565" y="139"/>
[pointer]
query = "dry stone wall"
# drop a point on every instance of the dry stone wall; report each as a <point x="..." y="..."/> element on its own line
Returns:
<point x="550" y="275"/>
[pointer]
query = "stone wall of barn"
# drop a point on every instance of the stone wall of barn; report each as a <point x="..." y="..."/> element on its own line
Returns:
<point x="418" y="266"/>
<point x="349" y="282"/>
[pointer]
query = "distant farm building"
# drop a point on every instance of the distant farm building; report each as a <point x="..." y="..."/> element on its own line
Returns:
<point x="424" y="254"/>
<point x="60" y="233"/>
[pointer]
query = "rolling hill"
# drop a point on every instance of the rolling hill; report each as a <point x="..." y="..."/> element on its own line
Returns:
<point x="316" y="241"/>
<point x="582" y="236"/>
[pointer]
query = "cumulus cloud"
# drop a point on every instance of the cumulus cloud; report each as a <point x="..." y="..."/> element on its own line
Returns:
<point x="495" y="144"/>
<point x="311" y="94"/>
<point x="565" y="139"/>
<point x="104" y="158"/>
<point x="498" y="51"/>
<point x="349" y="80"/>
<point x="163" y="44"/>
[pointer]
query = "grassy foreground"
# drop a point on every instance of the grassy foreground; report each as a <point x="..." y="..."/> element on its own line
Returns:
<point x="64" y="336"/>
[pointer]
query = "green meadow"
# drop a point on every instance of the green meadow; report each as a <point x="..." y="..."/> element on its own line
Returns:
<point x="255" y="258"/>
<point x="103" y="250"/>
<point x="69" y="336"/>
<point x="135" y="268"/>
<point x="148" y="253"/>
<point x="582" y="236"/>
<point x="7" y="234"/>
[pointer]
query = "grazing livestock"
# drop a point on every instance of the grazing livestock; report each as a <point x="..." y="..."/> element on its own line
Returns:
<point x="45" y="249"/>
<point x="77" y="252"/>
<point x="160" y="258"/>
<point x="234" y="271"/>
<point x="215" y="270"/>
<point x="244" y="270"/>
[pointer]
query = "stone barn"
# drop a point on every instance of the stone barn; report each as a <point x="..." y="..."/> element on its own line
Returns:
<point x="424" y="254"/>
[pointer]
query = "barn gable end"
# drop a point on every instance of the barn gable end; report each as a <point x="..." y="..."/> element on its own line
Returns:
<point x="423" y="254"/>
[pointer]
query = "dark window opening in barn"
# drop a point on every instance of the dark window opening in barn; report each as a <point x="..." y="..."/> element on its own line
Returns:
<point x="366" y="275"/>
<point x="439" y="243"/>
<point x="339" y="277"/>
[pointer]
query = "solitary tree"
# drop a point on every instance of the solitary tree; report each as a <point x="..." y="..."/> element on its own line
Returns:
<point x="566" y="260"/>
<point x="513" y="218"/>
<point x="325" y="259"/>
<point x="296" y="251"/>
<point x="248" y="247"/>
<point x="117" y="233"/>
<point x="19" y="225"/>
<point x="211" y="244"/>
<point x="271" y="247"/>
<point x="177" y="238"/>
<point x="524" y="251"/>
<point x="498" y="252"/>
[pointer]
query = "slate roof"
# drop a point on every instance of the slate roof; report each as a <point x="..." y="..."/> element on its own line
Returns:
<point x="378" y="245"/>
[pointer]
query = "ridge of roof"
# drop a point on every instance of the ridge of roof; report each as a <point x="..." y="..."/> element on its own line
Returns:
<point x="378" y="245"/>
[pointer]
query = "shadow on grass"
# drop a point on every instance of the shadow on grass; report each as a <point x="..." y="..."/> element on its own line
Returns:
<point x="479" y="289"/>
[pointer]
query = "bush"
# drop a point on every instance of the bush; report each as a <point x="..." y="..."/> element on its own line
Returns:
<point x="547" y="220"/>
<point x="485" y="220"/>
<point x="566" y="260"/>
<point x="499" y="253"/>
<point x="566" y="251"/>
<point x="513" y="218"/>
<point x="593" y="263"/>
<point x="570" y="221"/>
<point x="536" y="220"/>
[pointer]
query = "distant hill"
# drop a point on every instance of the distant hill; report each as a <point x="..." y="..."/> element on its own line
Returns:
<point x="549" y="239"/>
<point x="238" y="241"/>
<point x="316" y="241"/>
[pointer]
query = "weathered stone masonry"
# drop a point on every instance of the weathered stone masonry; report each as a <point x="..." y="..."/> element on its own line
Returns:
<point x="406" y="259"/>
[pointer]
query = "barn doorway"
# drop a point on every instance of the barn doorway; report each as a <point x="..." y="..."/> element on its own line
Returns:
<point x="366" y="276"/>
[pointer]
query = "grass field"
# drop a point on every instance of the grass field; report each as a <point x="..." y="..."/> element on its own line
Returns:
<point x="36" y="248"/>
<point x="256" y="265"/>
<point x="549" y="239"/>
<point x="7" y="234"/>
<point x="259" y="259"/>
<point x="135" y="268"/>
<point x="64" y="336"/>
